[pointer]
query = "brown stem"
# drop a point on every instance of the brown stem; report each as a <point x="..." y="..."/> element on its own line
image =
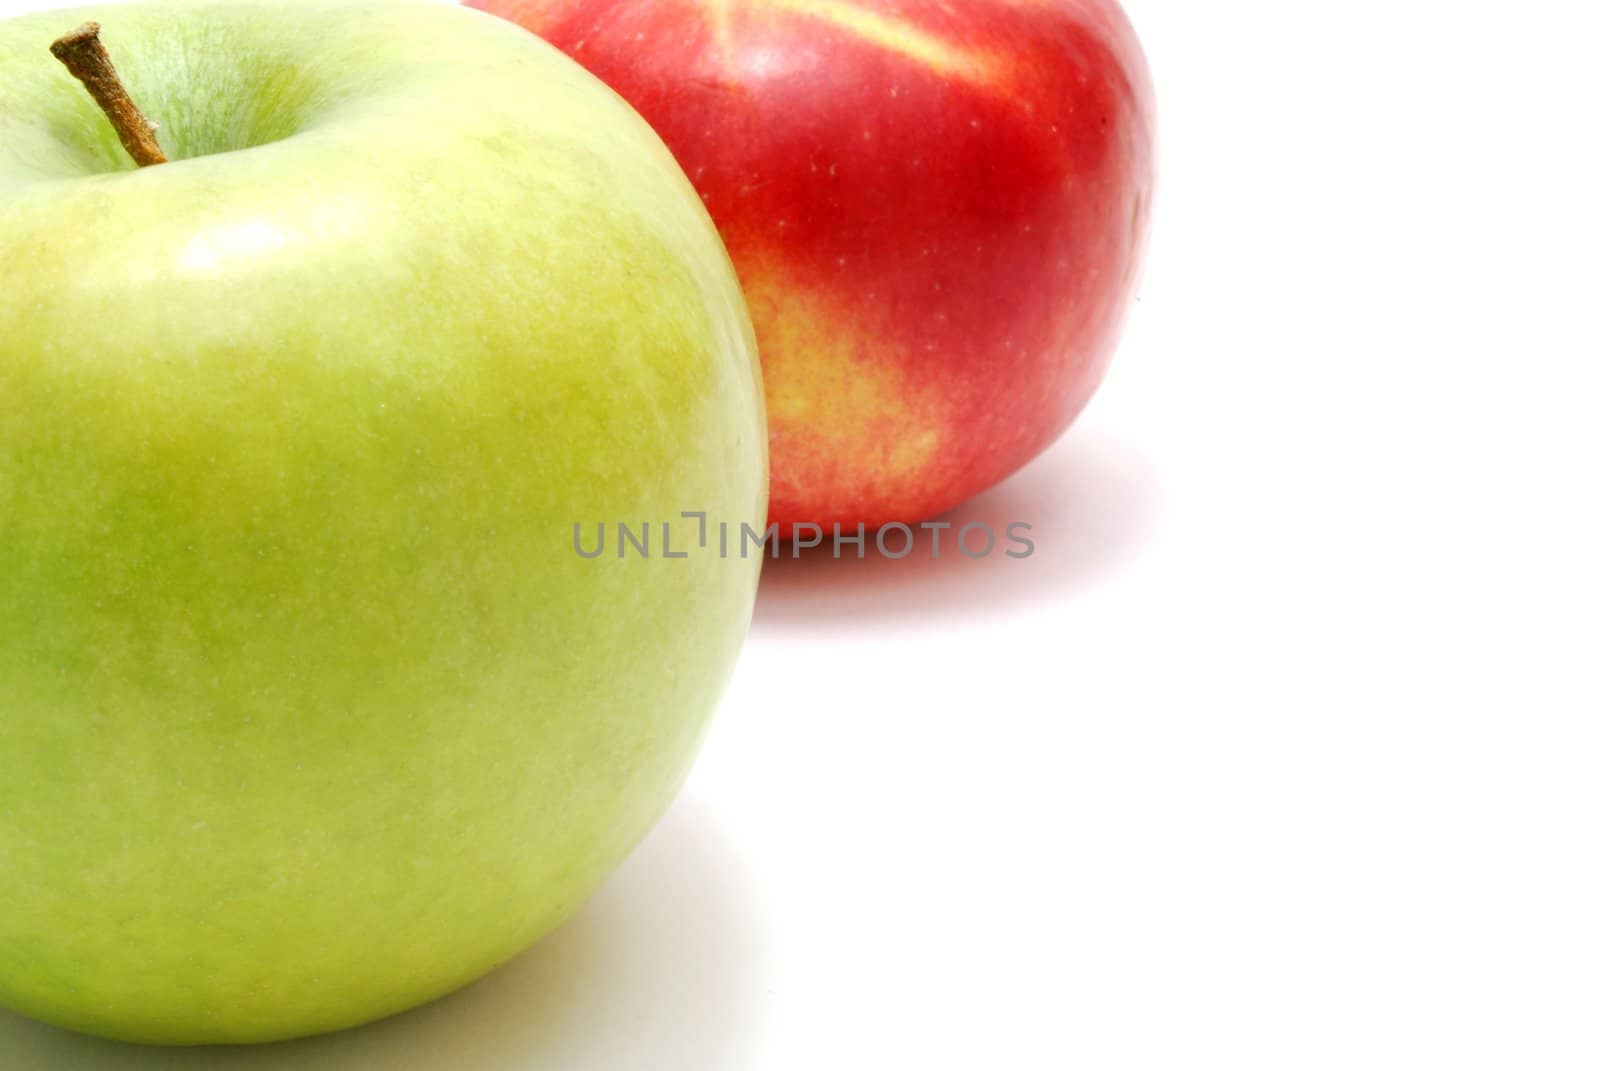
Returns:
<point x="86" y="58"/>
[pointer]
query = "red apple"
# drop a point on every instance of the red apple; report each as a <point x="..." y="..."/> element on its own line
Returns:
<point x="937" y="211"/>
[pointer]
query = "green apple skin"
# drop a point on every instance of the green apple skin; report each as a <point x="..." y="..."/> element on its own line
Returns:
<point x="309" y="711"/>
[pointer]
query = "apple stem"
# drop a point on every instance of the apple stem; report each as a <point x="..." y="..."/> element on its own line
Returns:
<point x="84" y="55"/>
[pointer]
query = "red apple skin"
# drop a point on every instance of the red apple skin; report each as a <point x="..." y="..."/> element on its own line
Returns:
<point x="937" y="211"/>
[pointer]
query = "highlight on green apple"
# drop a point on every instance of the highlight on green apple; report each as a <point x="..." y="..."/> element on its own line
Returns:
<point x="308" y="711"/>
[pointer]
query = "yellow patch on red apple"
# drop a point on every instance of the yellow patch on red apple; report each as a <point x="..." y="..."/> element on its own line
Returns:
<point x="853" y="426"/>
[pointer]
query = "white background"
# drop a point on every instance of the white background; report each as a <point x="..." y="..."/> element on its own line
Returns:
<point x="1282" y="752"/>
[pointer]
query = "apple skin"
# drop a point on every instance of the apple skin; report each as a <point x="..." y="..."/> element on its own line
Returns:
<point x="937" y="212"/>
<point x="309" y="711"/>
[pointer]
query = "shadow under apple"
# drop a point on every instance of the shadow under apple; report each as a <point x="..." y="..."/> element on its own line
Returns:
<point x="1091" y="501"/>
<point x="659" y="970"/>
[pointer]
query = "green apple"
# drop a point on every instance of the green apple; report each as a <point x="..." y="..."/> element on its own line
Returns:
<point x="309" y="711"/>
